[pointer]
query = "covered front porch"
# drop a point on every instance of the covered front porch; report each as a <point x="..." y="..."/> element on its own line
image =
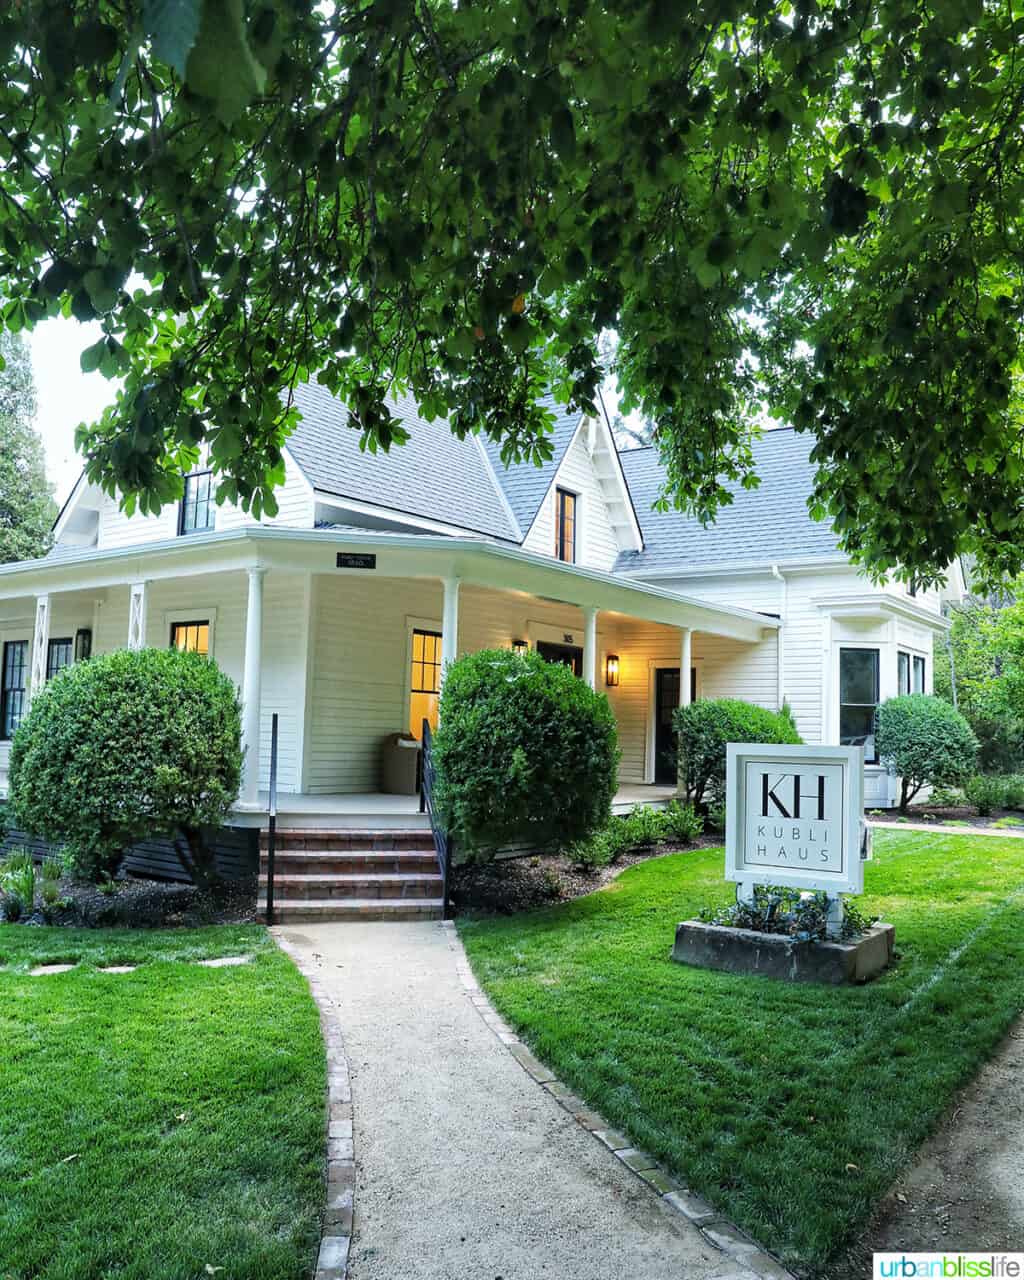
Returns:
<point x="370" y="810"/>
<point x="345" y="636"/>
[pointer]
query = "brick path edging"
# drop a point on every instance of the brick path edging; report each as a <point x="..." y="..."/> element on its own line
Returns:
<point x="336" y="1236"/>
<point x="716" y="1229"/>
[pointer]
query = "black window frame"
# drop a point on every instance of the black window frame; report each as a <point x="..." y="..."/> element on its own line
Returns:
<point x="561" y="496"/>
<point x="852" y="648"/>
<point x="903" y="685"/>
<point x="207" y="504"/>
<point x="53" y="648"/>
<point x="8" y="690"/>
<point x="919" y="665"/>
<point x="184" y="625"/>
<point x="433" y="666"/>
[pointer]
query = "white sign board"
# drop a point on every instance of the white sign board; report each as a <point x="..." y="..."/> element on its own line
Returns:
<point x="793" y="816"/>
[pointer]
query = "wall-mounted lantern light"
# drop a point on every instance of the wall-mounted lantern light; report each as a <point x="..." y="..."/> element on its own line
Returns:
<point x="520" y="646"/>
<point x="611" y="670"/>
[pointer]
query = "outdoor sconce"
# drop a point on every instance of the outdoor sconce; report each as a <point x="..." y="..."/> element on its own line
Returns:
<point x="520" y="646"/>
<point x="611" y="670"/>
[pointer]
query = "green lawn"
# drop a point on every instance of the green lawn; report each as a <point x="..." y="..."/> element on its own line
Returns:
<point x="791" y="1107"/>
<point x="157" y="1124"/>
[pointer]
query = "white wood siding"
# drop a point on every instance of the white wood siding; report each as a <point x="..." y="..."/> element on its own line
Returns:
<point x="725" y="669"/>
<point x="221" y="598"/>
<point x="360" y="662"/>
<point x="295" y="510"/>
<point x="596" y="544"/>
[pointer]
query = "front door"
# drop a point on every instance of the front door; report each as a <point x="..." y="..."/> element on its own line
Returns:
<point x="569" y="655"/>
<point x="666" y="700"/>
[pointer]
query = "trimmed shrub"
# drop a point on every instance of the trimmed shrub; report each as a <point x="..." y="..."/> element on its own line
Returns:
<point x="926" y="741"/>
<point x="129" y="745"/>
<point x="984" y="793"/>
<point x="704" y="729"/>
<point x="525" y="753"/>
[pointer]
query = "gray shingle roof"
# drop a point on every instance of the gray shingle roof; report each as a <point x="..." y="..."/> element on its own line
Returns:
<point x="526" y="484"/>
<point x="764" y="524"/>
<point x="433" y="475"/>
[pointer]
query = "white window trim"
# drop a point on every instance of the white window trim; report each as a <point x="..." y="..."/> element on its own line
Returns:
<point x="886" y="651"/>
<point x="201" y="613"/>
<point x="413" y="624"/>
<point x="663" y="664"/>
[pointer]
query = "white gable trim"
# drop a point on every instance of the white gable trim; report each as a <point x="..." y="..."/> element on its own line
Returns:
<point x="627" y="533"/>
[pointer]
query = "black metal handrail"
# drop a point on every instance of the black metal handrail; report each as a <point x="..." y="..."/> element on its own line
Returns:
<point x="442" y="841"/>
<point x="272" y="818"/>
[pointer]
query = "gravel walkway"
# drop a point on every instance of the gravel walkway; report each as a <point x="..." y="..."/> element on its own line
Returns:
<point x="465" y="1168"/>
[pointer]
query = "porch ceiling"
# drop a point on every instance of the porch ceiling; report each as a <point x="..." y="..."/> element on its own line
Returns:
<point x="472" y="560"/>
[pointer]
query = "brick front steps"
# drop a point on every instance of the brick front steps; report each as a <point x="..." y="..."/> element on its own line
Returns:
<point x="352" y="875"/>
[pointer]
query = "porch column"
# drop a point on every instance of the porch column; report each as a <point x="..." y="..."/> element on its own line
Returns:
<point x="449" y="625"/>
<point x="40" y="647"/>
<point x="137" y="615"/>
<point x="685" y="663"/>
<point x="251" y="674"/>
<point x="590" y="647"/>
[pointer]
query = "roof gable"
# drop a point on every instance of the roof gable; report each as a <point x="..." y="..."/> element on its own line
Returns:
<point x="524" y="484"/>
<point x="761" y="525"/>
<point x="434" y="475"/>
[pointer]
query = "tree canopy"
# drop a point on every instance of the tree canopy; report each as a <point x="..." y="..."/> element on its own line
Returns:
<point x="810" y="209"/>
<point x="26" y="505"/>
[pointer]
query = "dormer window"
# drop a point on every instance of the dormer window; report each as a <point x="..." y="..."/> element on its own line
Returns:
<point x="197" y="512"/>
<point x="565" y="525"/>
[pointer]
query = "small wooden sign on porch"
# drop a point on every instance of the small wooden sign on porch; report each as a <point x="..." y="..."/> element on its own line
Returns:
<point x="354" y="560"/>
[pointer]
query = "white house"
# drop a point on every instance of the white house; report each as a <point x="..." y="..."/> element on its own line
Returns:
<point x="340" y="613"/>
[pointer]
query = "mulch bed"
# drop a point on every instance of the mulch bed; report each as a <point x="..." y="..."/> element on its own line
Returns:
<point x="138" y="903"/>
<point x="961" y="815"/>
<point x="509" y="885"/>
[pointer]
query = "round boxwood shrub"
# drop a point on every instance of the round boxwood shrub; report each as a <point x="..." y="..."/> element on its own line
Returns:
<point x="705" y="728"/>
<point x="525" y="752"/>
<point x="927" y="742"/>
<point x="127" y="746"/>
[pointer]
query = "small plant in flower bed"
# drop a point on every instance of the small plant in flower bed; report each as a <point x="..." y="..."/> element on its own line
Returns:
<point x="17" y="885"/>
<point x="641" y="828"/>
<point x="796" y="913"/>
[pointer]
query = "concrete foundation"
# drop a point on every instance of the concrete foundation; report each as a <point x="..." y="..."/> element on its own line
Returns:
<point x="773" y="955"/>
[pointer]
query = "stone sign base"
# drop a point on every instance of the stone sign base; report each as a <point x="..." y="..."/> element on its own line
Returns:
<point x="773" y="955"/>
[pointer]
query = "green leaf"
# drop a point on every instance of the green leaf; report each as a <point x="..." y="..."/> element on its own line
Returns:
<point x="221" y="66"/>
<point x="91" y="356"/>
<point x="172" y="26"/>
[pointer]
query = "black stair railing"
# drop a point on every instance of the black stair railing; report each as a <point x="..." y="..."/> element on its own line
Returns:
<point x="442" y="842"/>
<point x="271" y="818"/>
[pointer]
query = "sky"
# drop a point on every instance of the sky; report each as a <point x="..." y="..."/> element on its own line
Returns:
<point x="67" y="396"/>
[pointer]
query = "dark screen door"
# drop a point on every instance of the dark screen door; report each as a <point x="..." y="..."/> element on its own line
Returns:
<point x="666" y="699"/>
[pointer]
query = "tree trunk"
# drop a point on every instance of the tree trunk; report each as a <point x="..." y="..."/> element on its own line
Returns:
<point x="197" y="859"/>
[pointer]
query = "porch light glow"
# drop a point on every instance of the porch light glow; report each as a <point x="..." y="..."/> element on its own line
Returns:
<point x="520" y="646"/>
<point x="611" y="670"/>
